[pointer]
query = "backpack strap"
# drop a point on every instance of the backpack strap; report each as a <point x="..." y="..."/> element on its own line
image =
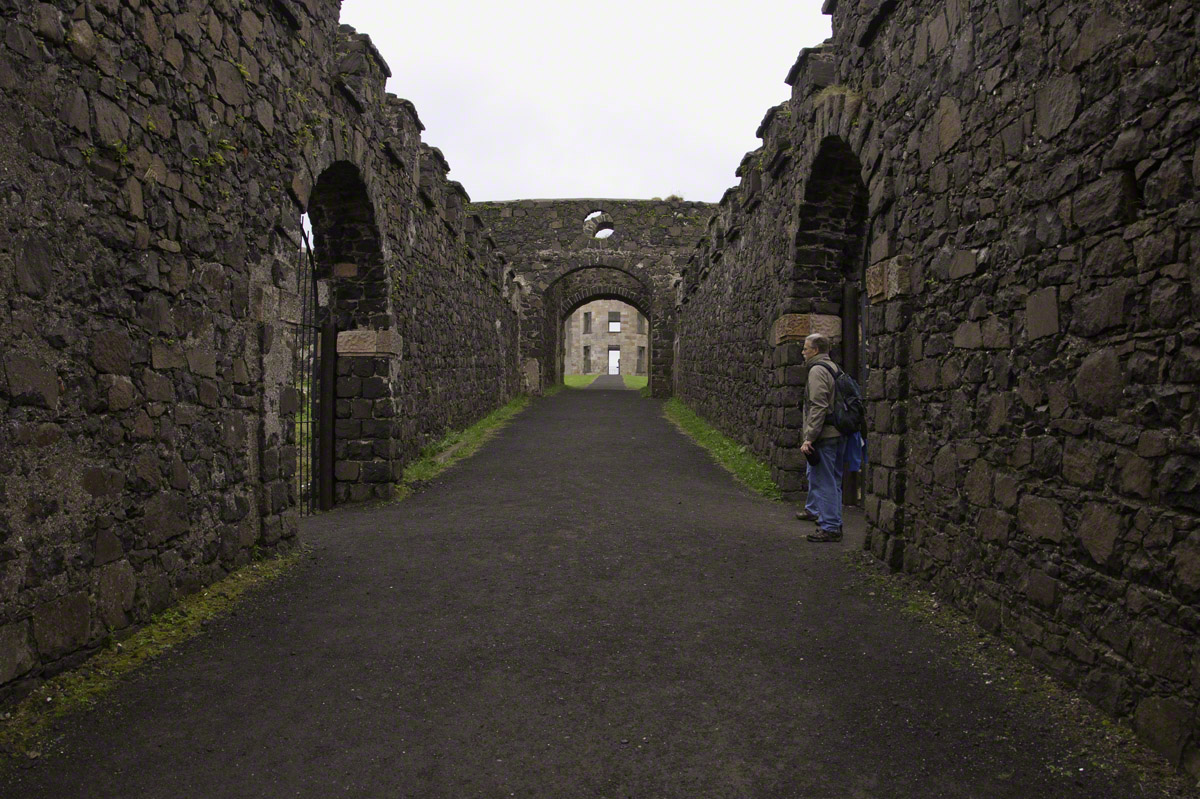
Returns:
<point x="829" y="367"/>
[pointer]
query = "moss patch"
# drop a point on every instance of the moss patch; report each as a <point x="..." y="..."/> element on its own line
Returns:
<point x="437" y="458"/>
<point x="23" y="728"/>
<point x="1092" y="736"/>
<point x="735" y="457"/>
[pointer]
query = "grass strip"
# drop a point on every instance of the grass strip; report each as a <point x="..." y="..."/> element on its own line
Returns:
<point x="636" y="381"/>
<point x="22" y="728"/>
<point x="735" y="457"/>
<point x="438" y="457"/>
<point x="579" y="381"/>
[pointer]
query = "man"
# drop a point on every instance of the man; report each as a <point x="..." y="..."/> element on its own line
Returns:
<point x="824" y="445"/>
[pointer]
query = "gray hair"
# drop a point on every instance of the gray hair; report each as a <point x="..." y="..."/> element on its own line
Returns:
<point x="819" y="343"/>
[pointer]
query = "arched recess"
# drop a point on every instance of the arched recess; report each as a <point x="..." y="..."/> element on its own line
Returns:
<point x="578" y="287"/>
<point x="826" y="293"/>
<point x="359" y="349"/>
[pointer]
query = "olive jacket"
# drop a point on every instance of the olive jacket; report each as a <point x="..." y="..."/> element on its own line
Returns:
<point x="819" y="399"/>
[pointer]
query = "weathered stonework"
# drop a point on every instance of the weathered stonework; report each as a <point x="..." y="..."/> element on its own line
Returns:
<point x="157" y="156"/>
<point x="1005" y="195"/>
<point x="561" y="264"/>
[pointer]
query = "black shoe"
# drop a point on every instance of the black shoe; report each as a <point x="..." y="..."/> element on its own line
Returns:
<point x="804" y="516"/>
<point x="825" y="536"/>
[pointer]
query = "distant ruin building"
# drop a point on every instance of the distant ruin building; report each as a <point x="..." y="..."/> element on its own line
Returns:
<point x="606" y="337"/>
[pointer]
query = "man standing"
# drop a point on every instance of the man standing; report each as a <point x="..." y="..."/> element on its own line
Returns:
<point x="824" y="445"/>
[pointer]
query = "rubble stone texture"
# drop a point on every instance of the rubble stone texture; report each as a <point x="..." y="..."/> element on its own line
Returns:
<point x="990" y="206"/>
<point x="157" y="158"/>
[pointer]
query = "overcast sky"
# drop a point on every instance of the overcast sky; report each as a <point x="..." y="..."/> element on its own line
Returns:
<point x="621" y="99"/>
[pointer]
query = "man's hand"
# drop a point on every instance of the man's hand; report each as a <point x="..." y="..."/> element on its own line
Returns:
<point x="807" y="447"/>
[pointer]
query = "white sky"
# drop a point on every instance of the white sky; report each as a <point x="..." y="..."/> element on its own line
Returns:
<point x="622" y="99"/>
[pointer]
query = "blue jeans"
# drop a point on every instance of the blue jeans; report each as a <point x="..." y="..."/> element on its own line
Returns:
<point x="825" y="483"/>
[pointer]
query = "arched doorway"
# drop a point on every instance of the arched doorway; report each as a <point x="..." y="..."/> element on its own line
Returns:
<point x="632" y="315"/>
<point x="825" y="292"/>
<point x="346" y="348"/>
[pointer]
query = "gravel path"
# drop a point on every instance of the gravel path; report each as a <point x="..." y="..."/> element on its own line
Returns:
<point x="589" y="607"/>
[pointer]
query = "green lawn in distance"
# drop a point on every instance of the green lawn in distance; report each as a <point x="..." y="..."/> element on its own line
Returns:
<point x="579" y="381"/>
<point x="635" y="381"/>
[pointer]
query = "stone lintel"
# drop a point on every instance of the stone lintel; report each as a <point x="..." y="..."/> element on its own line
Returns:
<point x="796" y="327"/>
<point x="368" y="343"/>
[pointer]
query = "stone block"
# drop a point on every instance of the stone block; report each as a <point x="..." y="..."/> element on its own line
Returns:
<point x="1165" y="723"/>
<point x="116" y="585"/>
<point x="1040" y="518"/>
<point x="202" y="362"/>
<point x="1100" y="530"/>
<point x="948" y="120"/>
<point x="102" y="482"/>
<point x="1101" y="310"/>
<point x="31" y="382"/>
<point x="968" y="335"/>
<point x="33" y="267"/>
<point x="345" y="270"/>
<point x="108" y="548"/>
<point x="120" y="393"/>
<point x="1185" y="565"/>
<point x="877" y="282"/>
<point x="1111" y="200"/>
<point x="1100" y="382"/>
<point x="797" y="327"/>
<point x="963" y="263"/>
<point x="1041" y="588"/>
<point x="1056" y="103"/>
<point x="165" y="356"/>
<point x="165" y="517"/>
<point x="62" y="625"/>
<point x="16" y="656"/>
<point x="993" y="525"/>
<point x="1041" y="313"/>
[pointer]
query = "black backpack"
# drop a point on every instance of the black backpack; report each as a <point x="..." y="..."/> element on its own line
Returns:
<point x="848" y="412"/>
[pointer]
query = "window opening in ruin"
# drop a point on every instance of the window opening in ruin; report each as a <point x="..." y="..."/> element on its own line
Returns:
<point x="587" y="321"/>
<point x="587" y="360"/>
<point x="604" y="231"/>
<point x="614" y="360"/>
<point x="641" y="323"/>
<point x="641" y="361"/>
<point x="593" y="215"/>
<point x="614" y="321"/>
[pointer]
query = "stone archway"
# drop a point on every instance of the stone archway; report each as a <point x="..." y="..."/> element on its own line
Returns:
<point x="354" y="299"/>
<point x="823" y="293"/>
<point x="579" y="287"/>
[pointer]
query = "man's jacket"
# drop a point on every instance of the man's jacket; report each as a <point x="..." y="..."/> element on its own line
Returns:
<point x="820" y="399"/>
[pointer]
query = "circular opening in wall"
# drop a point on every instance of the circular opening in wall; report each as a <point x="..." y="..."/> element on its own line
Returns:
<point x="604" y="231"/>
<point x="593" y="215"/>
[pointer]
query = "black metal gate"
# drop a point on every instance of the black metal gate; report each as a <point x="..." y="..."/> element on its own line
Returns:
<point x="315" y="377"/>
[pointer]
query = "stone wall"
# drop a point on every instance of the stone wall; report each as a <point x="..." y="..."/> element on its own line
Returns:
<point x="560" y="262"/>
<point x="599" y="339"/>
<point x="994" y="206"/>
<point x="157" y="156"/>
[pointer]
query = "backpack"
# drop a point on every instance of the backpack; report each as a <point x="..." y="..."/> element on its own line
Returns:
<point x="848" y="412"/>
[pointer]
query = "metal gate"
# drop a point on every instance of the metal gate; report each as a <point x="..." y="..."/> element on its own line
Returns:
<point x="315" y="376"/>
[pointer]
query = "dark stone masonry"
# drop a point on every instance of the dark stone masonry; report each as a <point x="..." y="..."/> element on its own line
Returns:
<point x="990" y="206"/>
